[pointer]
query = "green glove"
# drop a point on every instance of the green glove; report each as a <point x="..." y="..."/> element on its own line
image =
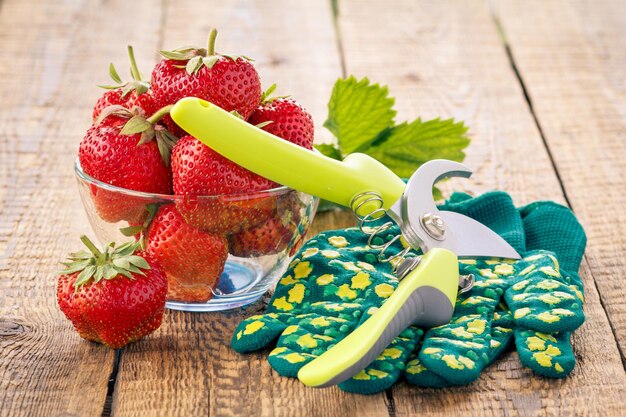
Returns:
<point x="331" y="286"/>
<point x="545" y="305"/>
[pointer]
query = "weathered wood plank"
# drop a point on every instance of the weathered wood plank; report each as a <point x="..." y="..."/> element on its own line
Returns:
<point x="52" y="54"/>
<point x="188" y="368"/>
<point x="446" y="59"/>
<point x="573" y="63"/>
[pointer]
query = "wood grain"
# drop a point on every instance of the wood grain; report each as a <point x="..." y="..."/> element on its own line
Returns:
<point x="573" y="64"/>
<point x="188" y="367"/>
<point x="446" y="59"/>
<point x="52" y="54"/>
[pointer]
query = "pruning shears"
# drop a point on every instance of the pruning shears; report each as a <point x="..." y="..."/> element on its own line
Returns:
<point x="428" y="287"/>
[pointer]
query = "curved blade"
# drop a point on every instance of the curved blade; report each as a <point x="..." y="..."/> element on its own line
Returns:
<point x="472" y="238"/>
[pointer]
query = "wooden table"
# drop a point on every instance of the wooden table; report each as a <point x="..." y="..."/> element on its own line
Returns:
<point x="542" y="84"/>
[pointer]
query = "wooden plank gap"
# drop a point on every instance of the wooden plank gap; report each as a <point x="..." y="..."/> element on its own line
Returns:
<point x="334" y="6"/>
<point x="531" y="109"/>
<point x="107" y="411"/>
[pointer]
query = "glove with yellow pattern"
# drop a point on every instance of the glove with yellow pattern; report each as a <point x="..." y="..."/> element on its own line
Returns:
<point x="533" y="301"/>
<point x="335" y="282"/>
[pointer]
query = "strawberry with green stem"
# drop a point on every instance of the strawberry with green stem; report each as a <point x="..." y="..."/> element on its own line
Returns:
<point x="285" y="118"/>
<point x="134" y="93"/>
<point x="113" y="296"/>
<point x="228" y="81"/>
<point x="127" y="150"/>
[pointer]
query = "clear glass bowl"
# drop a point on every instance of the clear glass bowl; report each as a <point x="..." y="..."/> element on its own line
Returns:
<point x="262" y="231"/>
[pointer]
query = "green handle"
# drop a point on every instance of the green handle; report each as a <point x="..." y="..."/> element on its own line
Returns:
<point x="425" y="297"/>
<point x="285" y="163"/>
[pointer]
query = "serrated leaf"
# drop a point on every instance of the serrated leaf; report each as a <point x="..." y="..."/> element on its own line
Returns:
<point x="407" y="146"/>
<point x="114" y="75"/>
<point x="357" y="112"/>
<point x="193" y="65"/>
<point x="138" y="261"/>
<point x="135" y="124"/>
<point x="209" y="61"/>
<point x="329" y="150"/>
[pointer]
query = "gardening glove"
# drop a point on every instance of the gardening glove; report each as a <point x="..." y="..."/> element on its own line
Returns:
<point x="535" y="301"/>
<point x="334" y="284"/>
<point x="330" y="287"/>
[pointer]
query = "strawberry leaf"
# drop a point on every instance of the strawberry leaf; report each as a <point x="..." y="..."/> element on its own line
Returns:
<point x="135" y="124"/>
<point x="130" y="231"/>
<point x="265" y="123"/>
<point x="138" y="261"/>
<point x="357" y="112"/>
<point x="193" y="65"/>
<point x="114" y="75"/>
<point x="405" y="147"/>
<point x="329" y="151"/>
<point x="209" y="61"/>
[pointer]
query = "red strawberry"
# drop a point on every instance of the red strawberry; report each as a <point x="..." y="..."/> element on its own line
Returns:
<point x="228" y="81"/>
<point x="284" y="118"/>
<point x="122" y="153"/>
<point x="193" y="260"/>
<point x="115" y="296"/>
<point x="200" y="171"/>
<point x="132" y="94"/>
<point x="273" y="235"/>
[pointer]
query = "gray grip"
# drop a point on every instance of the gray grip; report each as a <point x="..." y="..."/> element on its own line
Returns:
<point x="426" y="307"/>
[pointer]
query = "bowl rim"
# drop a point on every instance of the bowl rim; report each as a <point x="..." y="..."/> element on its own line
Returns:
<point x="82" y="175"/>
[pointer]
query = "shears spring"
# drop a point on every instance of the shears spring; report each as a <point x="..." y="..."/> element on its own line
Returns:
<point x="368" y="197"/>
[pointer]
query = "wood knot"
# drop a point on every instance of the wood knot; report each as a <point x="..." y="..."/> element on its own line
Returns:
<point x="412" y="77"/>
<point x="9" y="328"/>
<point x="276" y="60"/>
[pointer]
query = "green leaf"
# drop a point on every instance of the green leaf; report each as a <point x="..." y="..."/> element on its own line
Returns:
<point x="263" y="124"/>
<point x="76" y="266"/>
<point x="329" y="150"/>
<point x="138" y="261"/>
<point x="130" y="231"/>
<point x="136" y="124"/>
<point x="357" y="112"/>
<point x="407" y="146"/>
<point x="114" y="75"/>
<point x="193" y="65"/>
<point x="85" y="276"/>
<point x="209" y="61"/>
<point x="121" y="262"/>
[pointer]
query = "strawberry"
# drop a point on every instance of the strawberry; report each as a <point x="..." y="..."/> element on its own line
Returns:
<point x="132" y="94"/>
<point x="238" y="201"/>
<point x="285" y="118"/>
<point x="273" y="235"/>
<point x="121" y="152"/>
<point x="228" y="81"/>
<point x="114" y="296"/>
<point x="193" y="260"/>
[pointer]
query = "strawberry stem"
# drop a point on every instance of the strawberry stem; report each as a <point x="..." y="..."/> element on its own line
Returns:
<point x="134" y="71"/>
<point x="159" y="114"/>
<point x="92" y="248"/>
<point x="211" y="42"/>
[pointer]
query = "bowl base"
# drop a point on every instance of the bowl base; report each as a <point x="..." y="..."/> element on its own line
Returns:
<point x="237" y="288"/>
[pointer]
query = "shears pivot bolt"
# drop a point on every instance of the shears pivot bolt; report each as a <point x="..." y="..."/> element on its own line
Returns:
<point x="434" y="226"/>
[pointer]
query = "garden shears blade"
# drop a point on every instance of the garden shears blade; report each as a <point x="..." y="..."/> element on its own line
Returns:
<point x="427" y="292"/>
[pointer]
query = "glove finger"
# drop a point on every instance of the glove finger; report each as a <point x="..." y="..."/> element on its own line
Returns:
<point x="417" y="374"/>
<point x="543" y="299"/>
<point x="549" y="355"/>
<point x="310" y="336"/>
<point x="385" y="370"/>
<point x="257" y="332"/>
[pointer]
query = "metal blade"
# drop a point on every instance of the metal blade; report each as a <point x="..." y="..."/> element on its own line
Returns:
<point x="472" y="238"/>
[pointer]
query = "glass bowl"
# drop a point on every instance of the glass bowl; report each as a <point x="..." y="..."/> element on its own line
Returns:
<point x="218" y="252"/>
